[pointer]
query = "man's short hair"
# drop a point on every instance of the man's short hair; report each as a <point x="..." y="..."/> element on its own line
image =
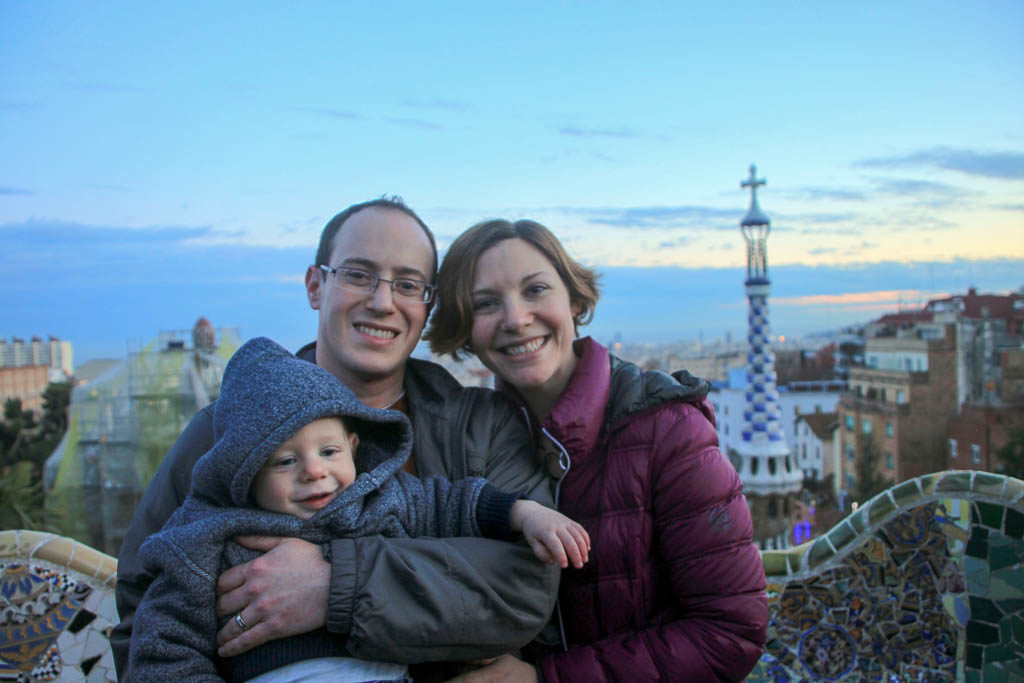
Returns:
<point x="393" y="203"/>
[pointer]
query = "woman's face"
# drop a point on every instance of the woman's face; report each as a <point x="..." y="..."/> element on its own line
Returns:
<point x="523" y="320"/>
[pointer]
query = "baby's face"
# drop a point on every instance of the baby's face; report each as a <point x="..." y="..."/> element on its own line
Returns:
<point x="308" y="471"/>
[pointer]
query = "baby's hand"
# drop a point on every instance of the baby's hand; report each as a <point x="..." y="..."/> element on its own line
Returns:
<point x="554" y="537"/>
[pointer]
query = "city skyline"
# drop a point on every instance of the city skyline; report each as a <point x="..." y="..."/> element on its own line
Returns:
<point x="163" y="163"/>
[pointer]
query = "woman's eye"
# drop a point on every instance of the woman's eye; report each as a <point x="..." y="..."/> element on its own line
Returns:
<point x="536" y="289"/>
<point x="483" y="305"/>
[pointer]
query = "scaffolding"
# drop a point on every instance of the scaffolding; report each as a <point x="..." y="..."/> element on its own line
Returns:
<point x="122" y="424"/>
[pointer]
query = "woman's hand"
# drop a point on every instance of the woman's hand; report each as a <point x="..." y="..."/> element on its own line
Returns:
<point x="555" y="538"/>
<point x="504" y="669"/>
<point x="281" y="593"/>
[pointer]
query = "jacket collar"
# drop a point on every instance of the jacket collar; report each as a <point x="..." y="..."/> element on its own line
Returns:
<point x="577" y="417"/>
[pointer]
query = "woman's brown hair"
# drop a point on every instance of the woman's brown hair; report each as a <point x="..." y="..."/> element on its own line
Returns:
<point x="452" y="322"/>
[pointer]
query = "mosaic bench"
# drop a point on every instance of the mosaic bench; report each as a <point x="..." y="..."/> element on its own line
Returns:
<point x="924" y="582"/>
<point x="57" y="602"/>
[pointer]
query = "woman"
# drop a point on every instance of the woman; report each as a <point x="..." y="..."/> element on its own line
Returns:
<point x="674" y="589"/>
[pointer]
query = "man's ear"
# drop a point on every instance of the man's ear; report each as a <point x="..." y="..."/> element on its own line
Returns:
<point x="314" y="286"/>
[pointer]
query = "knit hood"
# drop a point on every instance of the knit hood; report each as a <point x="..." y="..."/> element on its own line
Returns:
<point x="267" y="395"/>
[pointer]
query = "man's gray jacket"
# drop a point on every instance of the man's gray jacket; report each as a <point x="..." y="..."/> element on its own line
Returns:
<point x="266" y="397"/>
<point x="403" y="600"/>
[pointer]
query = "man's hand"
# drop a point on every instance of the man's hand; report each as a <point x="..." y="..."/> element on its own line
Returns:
<point x="504" y="669"/>
<point x="279" y="594"/>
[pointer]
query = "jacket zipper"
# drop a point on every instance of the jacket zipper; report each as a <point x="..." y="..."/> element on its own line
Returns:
<point x="566" y="463"/>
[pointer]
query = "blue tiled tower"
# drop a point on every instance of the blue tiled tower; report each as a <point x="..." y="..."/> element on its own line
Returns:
<point x="770" y="479"/>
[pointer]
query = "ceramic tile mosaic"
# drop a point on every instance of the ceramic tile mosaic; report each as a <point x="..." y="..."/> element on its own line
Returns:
<point x="924" y="582"/>
<point x="56" y="609"/>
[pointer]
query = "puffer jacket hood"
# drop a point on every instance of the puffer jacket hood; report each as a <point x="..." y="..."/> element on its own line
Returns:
<point x="267" y="395"/>
<point x="634" y="390"/>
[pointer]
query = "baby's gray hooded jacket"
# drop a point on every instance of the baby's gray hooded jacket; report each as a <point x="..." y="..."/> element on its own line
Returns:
<point x="267" y="395"/>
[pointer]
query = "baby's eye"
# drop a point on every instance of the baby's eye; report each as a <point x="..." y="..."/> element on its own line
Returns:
<point x="286" y="461"/>
<point x="330" y="452"/>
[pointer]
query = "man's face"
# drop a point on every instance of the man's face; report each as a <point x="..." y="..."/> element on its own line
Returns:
<point x="363" y="337"/>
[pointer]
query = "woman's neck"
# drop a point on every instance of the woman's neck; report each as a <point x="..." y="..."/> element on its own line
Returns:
<point x="542" y="399"/>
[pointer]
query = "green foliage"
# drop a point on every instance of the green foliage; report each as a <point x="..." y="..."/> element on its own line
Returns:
<point x="1011" y="455"/>
<point x="25" y="444"/>
<point x="20" y="497"/>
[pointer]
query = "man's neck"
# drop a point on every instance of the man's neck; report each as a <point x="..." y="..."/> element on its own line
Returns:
<point x="376" y="392"/>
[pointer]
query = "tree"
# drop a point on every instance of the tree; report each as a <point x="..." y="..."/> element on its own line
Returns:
<point x="20" y="497"/>
<point x="25" y="444"/>
<point x="869" y="482"/>
<point x="1011" y="455"/>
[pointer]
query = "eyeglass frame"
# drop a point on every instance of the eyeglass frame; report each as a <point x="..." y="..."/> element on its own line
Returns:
<point x="375" y="280"/>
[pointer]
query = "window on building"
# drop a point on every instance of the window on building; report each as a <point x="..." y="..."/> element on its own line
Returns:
<point x="849" y="422"/>
<point x="890" y="462"/>
<point x="865" y="426"/>
<point x="851" y="481"/>
<point x="882" y="395"/>
<point x="952" y="449"/>
<point x="899" y="396"/>
<point x="803" y="451"/>
<point x="817" y="409"/>
<point x="851" y="453"/>
<point x="975" y="454"/>
<point x="727" y="430"/>
<point x="889" y="431"/>
<point x="726" y="410"/>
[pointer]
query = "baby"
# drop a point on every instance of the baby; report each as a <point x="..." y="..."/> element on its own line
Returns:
<point x="285" y="463"/>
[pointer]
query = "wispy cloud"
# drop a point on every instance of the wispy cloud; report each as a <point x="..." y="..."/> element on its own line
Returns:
<point x="642" y="217"/>
<point x="413" y="123"/>
<point x="874" y="298"/>
<point x="329" y="112"/>
<point x="822" y="218"/>
<point x="818" y="251"/>
<point x="18" y="106"/>
<point x="909" y="187"/>
<point x="1004" y="165"/>
<point x="678" y="242"/>
<point x="108" y="188"/>
<point x="817" y="193"/>
<point x="584" y="132"/>
<point x="436" y="103"/>
<point x="1010" y="207"/>
<point x="96" y="86"/>
<point x="15" y="191"/>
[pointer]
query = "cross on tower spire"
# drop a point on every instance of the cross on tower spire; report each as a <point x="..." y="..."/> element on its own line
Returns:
<point x="753" y="182"/>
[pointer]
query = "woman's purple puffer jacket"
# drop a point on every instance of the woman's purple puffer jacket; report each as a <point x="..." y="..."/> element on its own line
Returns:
<point x="674" y="589"/>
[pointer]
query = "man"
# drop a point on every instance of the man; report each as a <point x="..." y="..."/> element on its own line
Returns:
<point x="401" y="600"/>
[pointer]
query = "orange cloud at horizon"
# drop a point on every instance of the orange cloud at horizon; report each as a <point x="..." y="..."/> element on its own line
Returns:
<point x="861" y="301"/>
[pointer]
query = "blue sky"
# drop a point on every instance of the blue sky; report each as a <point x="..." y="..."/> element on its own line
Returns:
<point x="163" y="161"/>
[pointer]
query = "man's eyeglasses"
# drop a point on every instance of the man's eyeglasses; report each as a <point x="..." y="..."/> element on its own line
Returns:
<point x="364" y="281"/>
